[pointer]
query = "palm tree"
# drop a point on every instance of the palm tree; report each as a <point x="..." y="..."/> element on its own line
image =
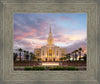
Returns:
<point x="80" y="52"/>
<point x="85" y="57"/>
<point x="34" y="57"/>
<point x="31" y="54"/>
<point x="15" y="56"/>
<point x="76" y="54"/>
<point x="68" y="56"/>
<point x="27" y="55"/>
<point x="20" y="50"/>
<point x="73" y="55"/>
<point x="24" y="54"/>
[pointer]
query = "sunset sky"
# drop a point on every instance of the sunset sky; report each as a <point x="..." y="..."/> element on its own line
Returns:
<point x="31" y="31"/>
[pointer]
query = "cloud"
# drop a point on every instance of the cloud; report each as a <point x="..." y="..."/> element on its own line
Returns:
<point x="76" y="45"/>
<point x="31" y="31"/>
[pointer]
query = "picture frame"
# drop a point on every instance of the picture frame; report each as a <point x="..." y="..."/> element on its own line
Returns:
<point x="91" y="75"/>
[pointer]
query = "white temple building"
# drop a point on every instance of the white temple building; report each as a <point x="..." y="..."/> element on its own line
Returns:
<point x="50" y="52"/>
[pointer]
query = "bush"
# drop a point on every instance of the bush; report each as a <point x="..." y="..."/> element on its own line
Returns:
<point x="38" y="68"/>
<point x="63" y="68"/>
<point x="28" y="68"/>
<point x="51" y="68"/>
<point x="57" y="68"/>
<point x="47" y="67"/>
<point x="71" y="68"/>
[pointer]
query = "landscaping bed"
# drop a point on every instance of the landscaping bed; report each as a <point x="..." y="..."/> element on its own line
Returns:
<point x="51" y="68"/>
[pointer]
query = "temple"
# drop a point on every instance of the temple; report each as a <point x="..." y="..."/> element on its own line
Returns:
<point x="50" y="52"/>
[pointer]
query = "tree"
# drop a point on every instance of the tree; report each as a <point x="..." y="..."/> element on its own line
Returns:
<point x="32" y="56"/>
<point x="73" y="55"/>
<point x="64" y="58"/>
<point x="15" y="56"/>
<point x="85" y="57"/>
<point x="68" y="56"/>
<point x="61" y="58"/>
<point x="20" y="50"/>
<point x="39" y="59"/>
<point x="80" y="51"/>
<point x="24" y="54"/>
<point x="27" y="55"/>
<point x="76" y="54"/>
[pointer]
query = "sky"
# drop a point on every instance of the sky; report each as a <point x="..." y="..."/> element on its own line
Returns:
<point x="31" y="30"/>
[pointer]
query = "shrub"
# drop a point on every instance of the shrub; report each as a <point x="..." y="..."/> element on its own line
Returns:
<point x="38" y="68"/>
<point x="71" y="68"/>
<point x="28" y="68"/>
<point x="51" y="68"/>
<point x="47" y="67"/>
<point x="57" y="68"/>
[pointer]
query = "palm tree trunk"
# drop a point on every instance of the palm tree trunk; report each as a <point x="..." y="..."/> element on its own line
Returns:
<point x="20" y="56"/>
<point x="24" y="56"/>
<point x="79" y="55"/>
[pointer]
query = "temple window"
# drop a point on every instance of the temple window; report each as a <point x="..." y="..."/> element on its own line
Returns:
<point x="50" y="52"/>
<point x="37" y="53"/>
<point x="62" y="53"/>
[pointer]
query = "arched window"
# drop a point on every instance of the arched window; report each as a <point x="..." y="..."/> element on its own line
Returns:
<point x="37" y="53"/>
<point x="50" y="52"/>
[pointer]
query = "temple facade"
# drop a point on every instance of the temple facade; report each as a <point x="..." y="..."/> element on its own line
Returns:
<point x="50" y="52"/>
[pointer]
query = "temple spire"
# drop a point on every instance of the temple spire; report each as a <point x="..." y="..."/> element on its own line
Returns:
<point x="50" y="38"/>
<point x="50" y="29"/>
